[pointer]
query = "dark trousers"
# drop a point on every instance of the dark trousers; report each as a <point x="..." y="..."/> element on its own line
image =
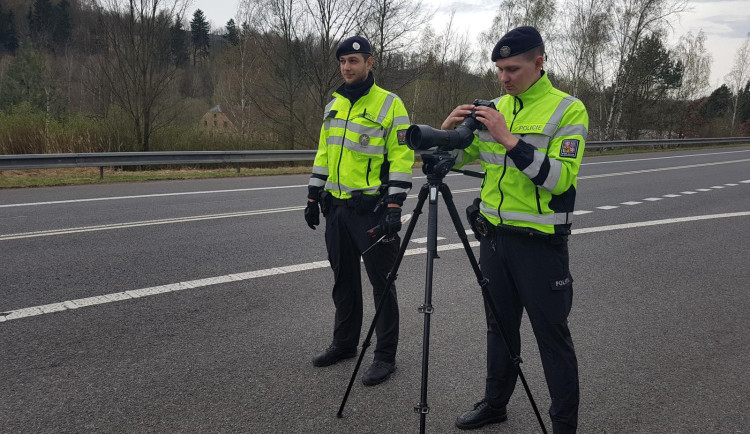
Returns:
<point x="346" y="239"/>
<point x="531" y="274"/>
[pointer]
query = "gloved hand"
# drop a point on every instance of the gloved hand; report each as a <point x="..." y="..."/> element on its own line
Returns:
<point x="389" y="224"/>
<point x="392" y="220"/>
<point x="312" y="214"/>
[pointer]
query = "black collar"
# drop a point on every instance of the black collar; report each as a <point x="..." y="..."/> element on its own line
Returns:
<point x="356" y="91"/>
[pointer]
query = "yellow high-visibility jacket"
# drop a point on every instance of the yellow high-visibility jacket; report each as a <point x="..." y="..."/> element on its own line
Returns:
<point x="363" y="146"/>
<point x="534" y="184"/>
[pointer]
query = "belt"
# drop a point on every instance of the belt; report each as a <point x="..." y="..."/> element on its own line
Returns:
<point x="486" y="228"/>
<point x="349" y="203"/>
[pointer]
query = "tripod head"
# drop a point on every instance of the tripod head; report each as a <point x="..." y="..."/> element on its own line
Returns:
<point x="437" y="164"/>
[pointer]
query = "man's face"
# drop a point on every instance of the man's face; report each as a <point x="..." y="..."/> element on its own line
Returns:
<point x="354" y="68"/>
<point x="518" y="73"/>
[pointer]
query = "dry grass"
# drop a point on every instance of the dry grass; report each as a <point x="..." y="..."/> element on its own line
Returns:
<point x="90" y="175"/>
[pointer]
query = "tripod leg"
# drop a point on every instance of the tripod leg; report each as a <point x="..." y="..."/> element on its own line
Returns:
<point x="484" y="284"/>
<point x="432" y="222"/>
<point x="389" y="282"/>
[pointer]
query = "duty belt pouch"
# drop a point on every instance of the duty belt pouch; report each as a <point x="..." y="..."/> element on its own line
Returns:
<point x="473" y="215"/>
<point x="325" y="202"/>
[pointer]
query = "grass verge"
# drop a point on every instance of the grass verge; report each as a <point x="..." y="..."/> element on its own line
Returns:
<point x="90" y="175"/>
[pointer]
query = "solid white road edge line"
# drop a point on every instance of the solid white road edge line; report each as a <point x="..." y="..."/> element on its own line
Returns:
<point x="199" y="283"/>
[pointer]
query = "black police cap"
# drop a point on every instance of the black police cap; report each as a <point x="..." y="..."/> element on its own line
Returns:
<point x="517" y="41"/>
<point x="355" y="44"/>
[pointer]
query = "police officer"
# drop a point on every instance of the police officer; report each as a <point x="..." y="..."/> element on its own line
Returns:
<point x="530" y="153"/>
<point x="361" y="175"/>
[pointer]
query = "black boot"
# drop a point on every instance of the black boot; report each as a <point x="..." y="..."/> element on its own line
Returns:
<point x="378" y="372"/>
<point x="332" y="355"/>
<point x="482" y="414"/>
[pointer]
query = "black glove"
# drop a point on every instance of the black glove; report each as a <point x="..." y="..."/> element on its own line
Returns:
<point x="392" y="220"/>
<point x="389" y="224"/>
<point x="312" y="214"/>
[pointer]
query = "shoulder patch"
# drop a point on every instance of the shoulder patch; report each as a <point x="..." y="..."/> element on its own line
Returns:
<point x="401" y="137"/>
<point x="569" y="148"/>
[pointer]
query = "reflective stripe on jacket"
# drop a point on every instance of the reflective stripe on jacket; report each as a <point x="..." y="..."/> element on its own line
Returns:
<point x="534" y="184"/>
<point x="359" y="147"/>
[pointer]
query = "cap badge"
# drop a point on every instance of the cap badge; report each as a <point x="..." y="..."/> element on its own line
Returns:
<point x="364" y="139"/>
<point x="355" y="45"/>
<point x="504" y="51"/>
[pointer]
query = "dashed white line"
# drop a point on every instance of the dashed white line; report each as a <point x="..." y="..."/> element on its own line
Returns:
<point x="688" y="192"/>
<point x="632" y="202"/>
<point x="671" y="195"/>
<point x="702" y="189"/>
<point x="606" y="207"/>
<point x="239" y="277"/>
<point x="653" y="199"/>
<point x="717" y="187"/>
<point x="581" y="212"/>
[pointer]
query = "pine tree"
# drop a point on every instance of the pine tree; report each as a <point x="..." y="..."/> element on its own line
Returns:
<point x="233" y="34"/>
<point x="178" y="44"/>
<point x="62" y="29"/>
<point x="8" y="33"/>
<point x="199" y="29"/>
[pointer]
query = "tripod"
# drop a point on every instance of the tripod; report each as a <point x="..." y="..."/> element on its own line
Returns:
<point x="436" y="166"/>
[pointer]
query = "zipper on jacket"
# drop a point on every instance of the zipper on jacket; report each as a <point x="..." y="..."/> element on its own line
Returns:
<point x="341" y="153"/>
<point x="369" y="168"/>
<point x="505" y="158"/>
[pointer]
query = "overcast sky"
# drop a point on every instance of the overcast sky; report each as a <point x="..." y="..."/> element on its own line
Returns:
<point x="725" y="23"/>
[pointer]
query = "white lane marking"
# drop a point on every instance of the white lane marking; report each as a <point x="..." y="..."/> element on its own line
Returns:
<point x="144" y="223"/>
<point x="747" y="181"/>
<point x="238" y="277"/>
<point x="652" y="199"/>
<point x="632" y="202"/>
<point x="581" y="212"/>
<point x="702" y="189"/>
<point x="606" y="207"/>
<point x="659" y="222"/>
<point x="141" y="196"/>
<point x="236" y="190"/>
<point x="718" y="187"/>
<point x="688" y="192"/>
<point x="731" y="185"/>
<point x="671" y="195"/>
<point x="423" y="240"/>
<point x="662" y="158"/>
<point x="661" y="169"/>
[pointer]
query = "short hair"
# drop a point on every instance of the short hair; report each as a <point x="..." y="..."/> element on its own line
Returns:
<point x="534" y="53"/>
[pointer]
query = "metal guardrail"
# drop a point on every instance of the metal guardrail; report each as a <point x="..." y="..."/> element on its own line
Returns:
<point x="591" y="146"/>
<point x="108" y="159"/>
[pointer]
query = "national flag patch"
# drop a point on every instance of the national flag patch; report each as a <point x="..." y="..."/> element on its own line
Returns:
<point x="401" y="137"/>
<point x="569" y="148"/>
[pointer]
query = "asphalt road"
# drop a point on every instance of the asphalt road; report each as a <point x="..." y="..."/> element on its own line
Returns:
<point x="196" y="306"/>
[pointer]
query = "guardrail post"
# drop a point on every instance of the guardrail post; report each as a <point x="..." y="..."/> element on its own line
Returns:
<point x="101" y="172"/>
<point x="238" y="168"/>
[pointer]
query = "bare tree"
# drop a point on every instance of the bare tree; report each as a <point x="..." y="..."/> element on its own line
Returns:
<point x="327" y="22"/>
<point x="581" y="46"/>
<point x="136" y="70"/>
<point x="244" y="66"/>
<point x="633" y="20"/>
<point x="738" y="76"/>
<point x="696" y="63"/>
<point x="391" y="28"/>
<point x="514" y="13"/>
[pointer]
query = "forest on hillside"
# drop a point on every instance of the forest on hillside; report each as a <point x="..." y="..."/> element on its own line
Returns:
<point x="139" y="75"/>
